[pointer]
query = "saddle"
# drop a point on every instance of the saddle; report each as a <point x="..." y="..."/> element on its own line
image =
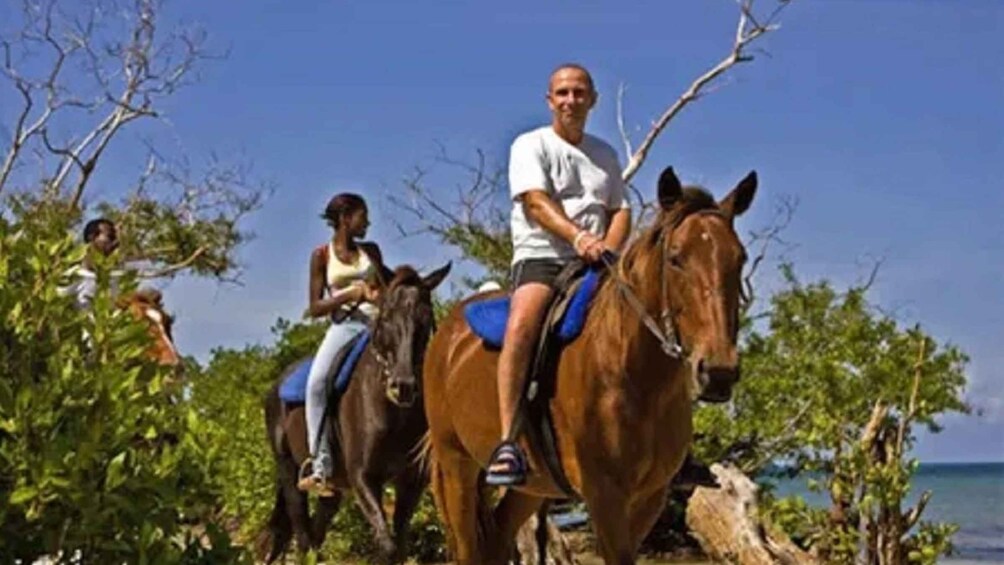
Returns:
<point x="293" y="389"/>
<point x="575" y="287"/>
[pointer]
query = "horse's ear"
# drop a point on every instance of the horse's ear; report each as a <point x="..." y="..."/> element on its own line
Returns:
<point x="670" y="189"/>
<point x="739" y="200"/>
<point x="432" y="280"/>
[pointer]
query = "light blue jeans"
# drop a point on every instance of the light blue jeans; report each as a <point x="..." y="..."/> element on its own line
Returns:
<point x="337" y="336"/>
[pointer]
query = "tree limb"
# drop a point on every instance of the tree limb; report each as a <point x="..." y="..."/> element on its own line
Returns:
<point x="763" y="239"/>
<point x="910" y="518"/>
<point x="770" y="450"/>
<point x="175" y="268"/>
<point x="911" y="411"/>
<point x="747" y="31"/>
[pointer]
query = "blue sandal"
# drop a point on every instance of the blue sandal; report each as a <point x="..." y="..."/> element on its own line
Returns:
<point x="509" y="465"/>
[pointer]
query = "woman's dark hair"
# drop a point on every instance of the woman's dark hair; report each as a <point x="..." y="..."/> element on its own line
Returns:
<point x="340" y="205"/>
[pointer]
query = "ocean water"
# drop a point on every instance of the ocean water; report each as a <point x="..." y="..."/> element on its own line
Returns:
<point x="968" y="494"/>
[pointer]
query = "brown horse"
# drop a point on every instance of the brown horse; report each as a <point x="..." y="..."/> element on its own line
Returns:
<point x="622" y="403"/>
<point x="147" y="305"/>
<point x="374" y="428"/>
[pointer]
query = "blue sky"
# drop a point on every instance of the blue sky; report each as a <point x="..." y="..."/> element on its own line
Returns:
<point x="882" y="117"/>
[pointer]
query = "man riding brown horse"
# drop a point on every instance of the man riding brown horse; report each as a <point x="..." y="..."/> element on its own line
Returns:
<point x="661" y="333"/>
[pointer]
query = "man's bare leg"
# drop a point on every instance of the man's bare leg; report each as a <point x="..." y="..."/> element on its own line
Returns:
<point x="527" y="309"/>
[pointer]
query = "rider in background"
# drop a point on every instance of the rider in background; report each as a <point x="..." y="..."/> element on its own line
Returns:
<point x="101" y="238"/>
<point x="568" y="201"/>
<point x="344" y="285"/>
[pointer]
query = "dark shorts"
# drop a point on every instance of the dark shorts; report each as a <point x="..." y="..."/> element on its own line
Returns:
<point x="543" y="271"/>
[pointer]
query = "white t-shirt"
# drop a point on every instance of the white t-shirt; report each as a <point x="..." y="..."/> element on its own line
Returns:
<point x="84" y="285"/>
<point x="585" y="179"/>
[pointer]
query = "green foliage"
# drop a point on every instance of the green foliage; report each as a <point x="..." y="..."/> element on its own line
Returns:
<point x="99" y="457"/>
<point x="488" y="245"/>
<point x="228" y="395"/>
<point x="833" y="386"/>
<point x="191" y="225"/>
<point x="428" y="538"/>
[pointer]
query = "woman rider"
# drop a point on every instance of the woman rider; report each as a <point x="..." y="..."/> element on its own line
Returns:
<point x="345" y="276"/>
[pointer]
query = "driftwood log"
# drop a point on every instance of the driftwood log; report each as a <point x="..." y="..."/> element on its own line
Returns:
<point x="543" y="546"/>
<point x="725" y="521"/>
<point x="727" y="524"/>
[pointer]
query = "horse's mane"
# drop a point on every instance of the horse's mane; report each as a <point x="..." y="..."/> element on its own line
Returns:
<point x="641" y="262"/>
<point x="642" y="249"/>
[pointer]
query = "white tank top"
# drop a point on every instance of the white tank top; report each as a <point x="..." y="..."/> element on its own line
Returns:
<point x="341" y="275"/>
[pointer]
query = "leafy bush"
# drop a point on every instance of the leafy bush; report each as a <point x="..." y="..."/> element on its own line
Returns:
<point x="834" y="387"/>
<point x="99" y="459"/>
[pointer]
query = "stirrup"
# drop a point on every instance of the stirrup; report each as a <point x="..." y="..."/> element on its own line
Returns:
<point x="308" y="481"/>
<point x="306" y="469"/>
<point x="510" y="455"/>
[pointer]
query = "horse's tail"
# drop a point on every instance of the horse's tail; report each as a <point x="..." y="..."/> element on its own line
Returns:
<point x="422" y="454"/>
<point x="273" y="540"/>
<point x="429" y="463"/>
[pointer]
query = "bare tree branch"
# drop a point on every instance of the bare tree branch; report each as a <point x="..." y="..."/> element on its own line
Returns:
<point x="911" y="410"/>
<point x="176" y="267"/>
<point x="747" y="31"/>
<point x="911" y="517"/>
<point x="625" y="137"/>
<point x="131" y="75"/>
<point x="762" y="240"/>
<point x="771" y="449"/>
<point x="36" y="29"/>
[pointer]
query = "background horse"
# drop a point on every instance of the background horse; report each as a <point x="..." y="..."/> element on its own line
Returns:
<point x="622" y="405"/>
<point x="373" y="428"/>
<point x="147" y="305"/>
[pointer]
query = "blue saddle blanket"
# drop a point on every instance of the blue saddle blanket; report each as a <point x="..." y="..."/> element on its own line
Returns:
<point x="294" y="387"/>
<point x="487" y="318"/>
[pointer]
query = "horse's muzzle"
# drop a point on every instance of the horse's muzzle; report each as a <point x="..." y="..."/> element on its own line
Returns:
<point x="402" y="393"/>
<point x="716" y="382"/>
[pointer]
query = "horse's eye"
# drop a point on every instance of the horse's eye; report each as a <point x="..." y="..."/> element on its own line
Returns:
<point x="675" y="261"/>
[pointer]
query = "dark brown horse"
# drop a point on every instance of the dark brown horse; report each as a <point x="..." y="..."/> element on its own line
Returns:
<point x="373" y="427"/>
<point x="622" y="404"/>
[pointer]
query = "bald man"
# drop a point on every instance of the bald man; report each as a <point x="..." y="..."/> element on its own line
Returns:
<point x="568" y="201"/>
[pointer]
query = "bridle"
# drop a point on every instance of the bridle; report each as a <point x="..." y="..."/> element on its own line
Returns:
<point x="667" y="334"/>
<point x="383" y="363"/>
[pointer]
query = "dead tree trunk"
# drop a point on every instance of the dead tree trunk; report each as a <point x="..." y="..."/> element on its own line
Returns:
<point x="726" y="522"/>
<point x="539" y="542"/>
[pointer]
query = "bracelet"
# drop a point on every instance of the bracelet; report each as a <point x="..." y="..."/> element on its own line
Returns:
<point x="578" y="237"/>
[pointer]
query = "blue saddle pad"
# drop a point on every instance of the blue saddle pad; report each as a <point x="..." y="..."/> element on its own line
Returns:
<point x="294" y="387"/>
<point x="487" y="318"/>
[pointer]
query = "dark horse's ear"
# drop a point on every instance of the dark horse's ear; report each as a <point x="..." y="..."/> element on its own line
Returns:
<point x="739" y="200"/>
<point x="670" y="189"/>
<point x="433" y="279"/>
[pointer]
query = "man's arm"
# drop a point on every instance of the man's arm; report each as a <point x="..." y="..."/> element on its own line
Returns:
<point x="619" y="228"/>
<point x="539" y="208"/>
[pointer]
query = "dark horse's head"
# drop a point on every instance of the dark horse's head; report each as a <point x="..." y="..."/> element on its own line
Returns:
<point x="699" y="261"/>
<point x="402" y="330"/>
